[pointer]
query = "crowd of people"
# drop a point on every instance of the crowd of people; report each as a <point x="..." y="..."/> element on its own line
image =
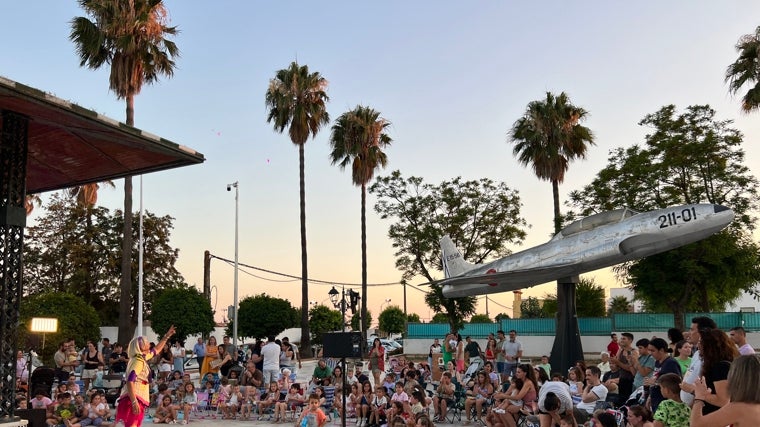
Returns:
<point x="700" y="377"/>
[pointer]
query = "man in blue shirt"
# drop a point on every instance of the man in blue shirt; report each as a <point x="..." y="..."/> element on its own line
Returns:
<point x="199" y="350"/>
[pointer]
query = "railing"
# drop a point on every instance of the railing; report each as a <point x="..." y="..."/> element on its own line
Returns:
<point x="589" y="326"/>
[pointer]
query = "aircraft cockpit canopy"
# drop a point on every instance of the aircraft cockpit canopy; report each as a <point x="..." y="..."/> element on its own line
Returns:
<point x="596" y="220"/>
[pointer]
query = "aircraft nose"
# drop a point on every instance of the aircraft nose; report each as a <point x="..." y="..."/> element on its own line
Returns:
<point x="719" y="208"/>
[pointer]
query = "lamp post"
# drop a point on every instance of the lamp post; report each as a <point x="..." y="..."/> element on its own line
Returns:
<point x="235" y="292"/>
<point x="387" y="300"/>
<point x="341" y="303"/>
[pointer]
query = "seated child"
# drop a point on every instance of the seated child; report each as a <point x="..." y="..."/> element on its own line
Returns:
<point x="166" y="413"/>
<point x="231" y="404"/>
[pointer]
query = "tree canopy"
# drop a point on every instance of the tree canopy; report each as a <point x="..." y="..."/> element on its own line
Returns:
<point x="589" y="300"/>
<point x="76" y="318"/>
<point x="392" y="320"/>
<point x="744" y="73"/>
<point x="323" y="319"/>
<point x="262" y="316"/>
<point x="77" y="250"/>
<point x="197" y="316"/>
<point x="688" y="157"/>
<point x="480" y="318"/>
<point x="482" y="218"/>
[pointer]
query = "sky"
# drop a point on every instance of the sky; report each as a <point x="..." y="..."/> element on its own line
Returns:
<point x="451" y="76"/>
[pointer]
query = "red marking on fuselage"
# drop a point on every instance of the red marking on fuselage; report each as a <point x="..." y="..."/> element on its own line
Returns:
<point x="491" y="271"/>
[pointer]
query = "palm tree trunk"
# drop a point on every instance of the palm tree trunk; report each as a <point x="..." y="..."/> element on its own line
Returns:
<point x="125" y="306"/>
<point x="557" y="216"/>
<point x="125" y="301"/>
<point x="364" y="323"/>
<point x="305" y="337"/>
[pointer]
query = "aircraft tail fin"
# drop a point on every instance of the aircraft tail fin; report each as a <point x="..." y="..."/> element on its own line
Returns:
<point x="452" y="259"/>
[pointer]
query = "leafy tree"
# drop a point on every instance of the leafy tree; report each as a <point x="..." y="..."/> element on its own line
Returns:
<point x="323" y="319"/>
<point x="132" y="38"/>
<point x="480" y="318"/>
<point x="358" y="138"/>
<point x="280" y="315"/>
<point x="745" y="71"/>
<point x="66" y="251"/>
<point x="413" y="318"/>
<point x="589" y="300"/>
<point x="392" y="319"/>
<point x="530" y="308"/>
<point x="355" y="321"/>
<point x="481" y="217"/>
<point x="501" y="316"/>
<point x="688" y="157"/>
<point x="296" y="100"/>
<point x="197" y="316"/>
<point x="75" y="317"/>
<point x="440" y="318"/>
<point x="619" y="304"/>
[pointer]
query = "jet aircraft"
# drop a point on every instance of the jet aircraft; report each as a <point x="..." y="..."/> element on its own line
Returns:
<point x="588" y="244"/>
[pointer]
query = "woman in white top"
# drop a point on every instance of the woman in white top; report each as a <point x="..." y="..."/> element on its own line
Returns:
<point x="178" y="352"/>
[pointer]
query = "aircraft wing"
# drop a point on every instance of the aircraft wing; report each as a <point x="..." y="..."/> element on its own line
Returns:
<point x="504" y="281"/>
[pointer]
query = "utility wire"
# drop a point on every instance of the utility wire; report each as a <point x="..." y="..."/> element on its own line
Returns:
<point x="323" y="282"/>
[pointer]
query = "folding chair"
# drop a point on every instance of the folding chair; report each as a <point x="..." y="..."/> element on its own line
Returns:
<point x="202" y="404"/>
<point x="455" y="411"/>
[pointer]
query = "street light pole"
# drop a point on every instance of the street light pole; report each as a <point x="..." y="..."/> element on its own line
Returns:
<point x="235" y="293"/>
<point x="334" y="300"/>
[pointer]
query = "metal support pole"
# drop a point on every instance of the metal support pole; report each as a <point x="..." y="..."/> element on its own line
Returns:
<point x="13" y="153"/>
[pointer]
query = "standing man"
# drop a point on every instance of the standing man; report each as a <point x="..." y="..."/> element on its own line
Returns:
<point x="644" y="363"/>
<point x="625" y="360"/>
<point x="63" y="366"/>
<point x="695" y="368"/>
<point x="513" y="351"/>
<point x="613" y="347"/>
<point x="106" y="352"/>
<point x="271" y="355"/>
<point x="664" y="364"/>
<point x="199" y="350"/>
<point x="435" y="350"/>
<point x="501" y="361"/>
<point x="739" y="337"/>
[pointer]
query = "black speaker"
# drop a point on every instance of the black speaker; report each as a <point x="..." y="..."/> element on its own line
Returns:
<point x="342" y="344"/>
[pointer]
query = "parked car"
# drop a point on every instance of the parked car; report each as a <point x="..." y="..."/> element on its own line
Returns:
<point x="388" y="345"/>
<point x="191" y="367"/>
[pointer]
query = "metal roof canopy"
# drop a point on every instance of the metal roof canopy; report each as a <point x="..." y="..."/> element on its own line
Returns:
<point x="69" y="145"/>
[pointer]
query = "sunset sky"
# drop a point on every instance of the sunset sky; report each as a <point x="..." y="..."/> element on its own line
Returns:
<point x="451" y="76"/>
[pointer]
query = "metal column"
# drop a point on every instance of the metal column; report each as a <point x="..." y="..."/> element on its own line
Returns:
<point x="13" y="152"/>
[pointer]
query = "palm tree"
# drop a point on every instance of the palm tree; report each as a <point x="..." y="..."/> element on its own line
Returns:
<point x="296" y="100"/>
<point x="130" y="36"/>
<point x="358" y="138"/>
<point x="746" y="70"/>
<point x="548" y="137"/>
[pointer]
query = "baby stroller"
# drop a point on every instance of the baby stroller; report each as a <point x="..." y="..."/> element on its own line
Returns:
<point x="42" y="379"/>
<point x="112" y="387"/>
<point x="476" y="363"/>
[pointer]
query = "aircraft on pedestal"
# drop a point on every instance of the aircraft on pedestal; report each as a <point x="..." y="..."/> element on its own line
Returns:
<point x="588" y="244"/>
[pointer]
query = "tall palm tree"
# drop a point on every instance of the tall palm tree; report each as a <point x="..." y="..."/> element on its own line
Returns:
<point x="296" y="99"/>
<point x="358" y="138"/>
<point x="548" y="137"/>
<point x="131" y="37"/>
<point x="746" y="70"/>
